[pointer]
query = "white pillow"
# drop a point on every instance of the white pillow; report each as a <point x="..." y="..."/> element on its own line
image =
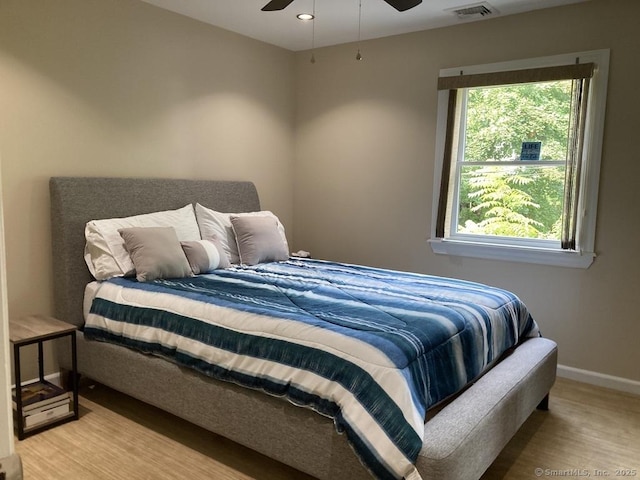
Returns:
<point x="104" y="250"/>
<point x="218" y="225"/>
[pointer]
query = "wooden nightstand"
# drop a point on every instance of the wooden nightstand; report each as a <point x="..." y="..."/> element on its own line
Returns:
<point x="48" y="409"/>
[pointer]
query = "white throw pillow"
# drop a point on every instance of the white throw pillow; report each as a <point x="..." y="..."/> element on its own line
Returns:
<point x="104" y="251"/>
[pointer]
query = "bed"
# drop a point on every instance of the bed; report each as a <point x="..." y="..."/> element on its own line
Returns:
<point x="459" y="441"/>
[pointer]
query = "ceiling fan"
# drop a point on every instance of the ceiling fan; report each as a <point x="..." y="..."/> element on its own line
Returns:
<point x="400" y="5"/>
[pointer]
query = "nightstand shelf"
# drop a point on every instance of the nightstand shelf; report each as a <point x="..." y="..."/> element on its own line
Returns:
<point x="54" y="410"/>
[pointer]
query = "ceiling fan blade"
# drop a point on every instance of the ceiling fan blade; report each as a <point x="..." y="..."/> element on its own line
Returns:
<point x="276" y="5"/>
<point x="402" y="5"/>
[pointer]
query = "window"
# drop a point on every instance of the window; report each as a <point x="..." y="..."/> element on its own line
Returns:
<point x="518" y="157"/>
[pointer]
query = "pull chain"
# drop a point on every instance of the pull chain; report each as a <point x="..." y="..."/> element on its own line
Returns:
<point x="359" y="55"/>
<point x="313" y="34"/>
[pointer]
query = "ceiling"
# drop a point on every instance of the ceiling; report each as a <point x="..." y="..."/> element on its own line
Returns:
<point x="337" y="20"/>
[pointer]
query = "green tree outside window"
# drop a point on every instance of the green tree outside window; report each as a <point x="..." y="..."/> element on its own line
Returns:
<point x="497" y="196"/>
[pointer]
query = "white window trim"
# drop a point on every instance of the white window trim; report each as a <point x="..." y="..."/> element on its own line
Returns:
<point x="534" y="252"/>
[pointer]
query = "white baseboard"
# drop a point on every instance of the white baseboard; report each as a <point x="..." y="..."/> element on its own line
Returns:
<point x="599" y="379"/>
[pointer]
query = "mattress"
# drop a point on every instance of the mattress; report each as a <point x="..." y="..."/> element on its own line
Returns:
<point x="373" y="349"/>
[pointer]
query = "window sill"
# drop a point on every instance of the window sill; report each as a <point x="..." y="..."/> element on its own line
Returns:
<point x="513" y="253"/>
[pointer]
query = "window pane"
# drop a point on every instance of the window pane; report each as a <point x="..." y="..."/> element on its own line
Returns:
<point x="511" y="201"/>
<point x="500" y="119"/>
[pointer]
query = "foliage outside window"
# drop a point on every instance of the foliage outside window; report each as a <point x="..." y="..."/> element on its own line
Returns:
<point x="495" y="200"/>
<point x="500" y="193"/>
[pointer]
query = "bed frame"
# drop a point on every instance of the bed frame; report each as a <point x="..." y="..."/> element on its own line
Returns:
<point x="461" y="440"/>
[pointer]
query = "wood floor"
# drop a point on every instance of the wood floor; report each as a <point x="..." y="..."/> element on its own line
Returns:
<point x="588" y="430"/>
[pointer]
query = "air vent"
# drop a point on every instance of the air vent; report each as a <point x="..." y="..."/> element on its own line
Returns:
<point x="474" y="12"/>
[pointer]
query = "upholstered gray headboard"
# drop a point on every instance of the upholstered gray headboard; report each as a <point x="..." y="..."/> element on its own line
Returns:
<point x="76" y="200"/>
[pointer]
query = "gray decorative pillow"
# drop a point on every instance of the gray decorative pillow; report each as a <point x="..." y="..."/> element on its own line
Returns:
<point x="258" y="239"/>
<point x="155" y="253"/>
<point x="205" y="256"/>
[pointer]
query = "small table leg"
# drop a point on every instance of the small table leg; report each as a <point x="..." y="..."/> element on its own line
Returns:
<point x="19" y="417"/>
<point x="74" y="374"/>
<point x="40" y="362"/>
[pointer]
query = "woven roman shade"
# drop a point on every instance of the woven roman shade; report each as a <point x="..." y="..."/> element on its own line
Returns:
<point x="530" y="75"/>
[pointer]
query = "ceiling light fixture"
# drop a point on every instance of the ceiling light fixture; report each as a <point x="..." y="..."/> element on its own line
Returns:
<point x="305" y="17"/>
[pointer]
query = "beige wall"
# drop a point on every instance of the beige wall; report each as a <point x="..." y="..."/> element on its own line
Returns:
<point x="365" y="159"/>
<point x="122" y="88"/>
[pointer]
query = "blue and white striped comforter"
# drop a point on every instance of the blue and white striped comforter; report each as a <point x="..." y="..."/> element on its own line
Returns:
<point x="371" y="348"/>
